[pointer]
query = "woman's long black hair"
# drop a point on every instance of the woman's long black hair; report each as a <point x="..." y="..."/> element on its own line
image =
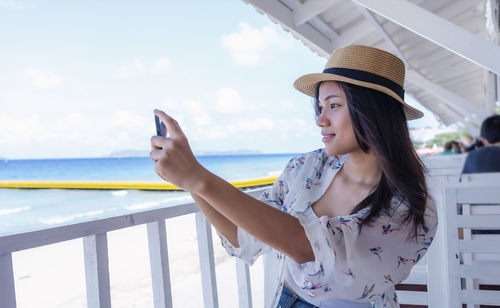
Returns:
<point x="379" y="125"/>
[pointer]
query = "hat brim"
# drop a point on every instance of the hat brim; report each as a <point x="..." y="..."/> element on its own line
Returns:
<point x="307" y="84"/>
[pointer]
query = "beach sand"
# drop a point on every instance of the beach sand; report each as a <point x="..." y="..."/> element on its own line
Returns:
<point x="54" y="275"/>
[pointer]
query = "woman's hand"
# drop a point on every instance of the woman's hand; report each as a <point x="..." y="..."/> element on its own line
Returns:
<point x="174" y="160"/>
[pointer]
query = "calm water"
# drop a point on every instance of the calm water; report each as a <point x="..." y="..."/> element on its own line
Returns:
<point x="32" y="209"/>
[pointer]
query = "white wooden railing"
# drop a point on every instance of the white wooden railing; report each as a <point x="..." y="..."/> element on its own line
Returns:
<point x="431" y="272"/>
<point x="95" y="244"/>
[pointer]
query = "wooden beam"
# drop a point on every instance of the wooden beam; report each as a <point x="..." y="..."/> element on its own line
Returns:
<point x="244" y="285"/>
<point x="310" y="9"/>
<point x="456" y="102"/>
<point x="438" y="30"/>
<point x="351" y="35"/>
<point x="7" y="286"/>
<point x="160" y="271"/>
<point x="95" y="249"/>
<point x="207" y="263"/>
<point x="279" y="12"/>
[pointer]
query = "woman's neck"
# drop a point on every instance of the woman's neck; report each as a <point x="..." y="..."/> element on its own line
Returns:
<point x="362" y="169"/>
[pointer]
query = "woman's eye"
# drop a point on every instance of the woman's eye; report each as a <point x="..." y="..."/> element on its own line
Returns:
<point x="320" y="109"/>
<point x="333" y="106"/>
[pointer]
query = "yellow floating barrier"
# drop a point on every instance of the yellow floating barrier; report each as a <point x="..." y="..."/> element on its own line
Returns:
<point x="120" y="185"/>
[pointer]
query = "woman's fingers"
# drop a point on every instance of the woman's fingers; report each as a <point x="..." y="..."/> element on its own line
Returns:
<point x="155" y="155"/>
<point x="171" y="124"/>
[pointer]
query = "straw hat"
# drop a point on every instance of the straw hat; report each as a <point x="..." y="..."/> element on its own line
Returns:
<point x="363" y="66"/>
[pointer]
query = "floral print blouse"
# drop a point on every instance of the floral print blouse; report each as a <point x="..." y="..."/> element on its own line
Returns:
<point x="349" y="265"/>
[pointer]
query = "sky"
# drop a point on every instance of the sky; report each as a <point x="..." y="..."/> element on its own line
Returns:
<point x="81" y="78"/>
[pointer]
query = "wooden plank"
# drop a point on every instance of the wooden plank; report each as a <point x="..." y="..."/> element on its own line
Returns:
<point x="277" y="10"/>
<point x="244" y="285"/>
<point x="481" y="269"/>
<point x="95" y="249"/>
<point x="476" y="221"/>
<point x="26" y="240"/>
<point x="311" y="9"/>
<point x="207" y="264"/>
<point x="478" y="193"/>
<point x="160" y="271"/>
<point x="412" y="297"/>
<point x="7" y="286"/>
<point x="480" y="245"/>
<point x="481" y="297"/>
<point x="425" y="23"/>
<point x="452" y="260"/>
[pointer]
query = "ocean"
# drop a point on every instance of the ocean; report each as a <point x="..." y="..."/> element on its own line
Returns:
<point x="24" y="210"/>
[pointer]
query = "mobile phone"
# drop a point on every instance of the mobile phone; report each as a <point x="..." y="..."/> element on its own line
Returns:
<point x="160" y="127"/>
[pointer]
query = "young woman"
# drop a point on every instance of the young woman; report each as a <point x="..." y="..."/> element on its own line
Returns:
<point x="351" y="219"/>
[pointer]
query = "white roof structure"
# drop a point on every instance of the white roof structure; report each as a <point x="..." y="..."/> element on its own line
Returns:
<point x="450" y="47"/>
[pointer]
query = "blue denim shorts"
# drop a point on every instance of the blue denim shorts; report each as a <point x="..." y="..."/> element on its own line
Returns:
<point x="288" y="299"/>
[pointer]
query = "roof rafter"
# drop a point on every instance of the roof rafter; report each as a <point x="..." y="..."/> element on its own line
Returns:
<point x="438" y="30"/>
<point x="456" y="102"/>
<point x="311" y="9"/>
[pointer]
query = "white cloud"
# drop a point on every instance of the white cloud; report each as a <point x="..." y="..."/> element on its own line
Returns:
<point x="133" y="69"/>
<point x="162" y="65"/>
<point x="259" y="124"/>
<point x="43" y="80"/>
<point x="127" y="119"/>
<point x="16" y="4"/>
<point x="228" y="100"/>
<point x="137" y="67"/>
<point x="197" y="112"/>
<point x="248" y="45"/>
<point x="211" y="133"/>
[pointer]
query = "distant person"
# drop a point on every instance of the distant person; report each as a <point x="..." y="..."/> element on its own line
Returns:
<point x="349" y="220"/>
<point x="472" y="144"/>
<point x="487" y="158"/>
<point x="451" y="147"/>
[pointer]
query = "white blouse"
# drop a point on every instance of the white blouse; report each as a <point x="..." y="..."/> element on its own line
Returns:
<point x="349" y="265"/>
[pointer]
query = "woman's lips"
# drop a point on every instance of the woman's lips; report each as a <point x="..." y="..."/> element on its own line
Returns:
<point x="327" y="138"/>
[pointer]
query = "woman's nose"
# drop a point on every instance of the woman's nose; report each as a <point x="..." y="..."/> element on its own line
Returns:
<point x="322" y="120"/>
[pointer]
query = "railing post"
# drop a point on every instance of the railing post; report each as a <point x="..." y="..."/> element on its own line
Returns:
<point x="160" y="271"/>
<point x="207" y="264"/>
<point x="244" y="285"/>
<point x="7" y="286"/>
<point x="95" y="250"/>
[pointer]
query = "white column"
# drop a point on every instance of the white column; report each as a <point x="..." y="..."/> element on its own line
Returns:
<point x="160" y="272"/>
<point x="7" y="287"/>
<point x="244" y="285"/>
<point x="207" y="264"/>
<point x="95" y="250"/>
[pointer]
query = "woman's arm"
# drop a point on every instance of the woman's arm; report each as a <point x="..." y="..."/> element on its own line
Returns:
<point x="219" y="221"/>
<point x="269" y="225"/>
<point x="175" y="163"/>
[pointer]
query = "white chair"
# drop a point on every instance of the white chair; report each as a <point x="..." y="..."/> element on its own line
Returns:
<point x="484" y="209"/>
<point x="475" y="195"/>
<point x="444" y="165"/>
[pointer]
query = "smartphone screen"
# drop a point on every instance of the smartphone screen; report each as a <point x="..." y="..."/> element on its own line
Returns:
<point x="160" y="127"/>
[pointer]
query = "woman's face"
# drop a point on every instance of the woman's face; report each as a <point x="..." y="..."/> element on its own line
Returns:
<point x="334" y="120"/>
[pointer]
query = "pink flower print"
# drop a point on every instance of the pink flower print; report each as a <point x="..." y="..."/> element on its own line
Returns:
<point x="309" y="285"/>
<point x="405" y="261"/>
<point x="309" y="182"/>
<point x="388" y="279"/>
<point x="386" y="229"/>
<point x="376" y="251"/>
<point x="366" y="291"/>
<point x="344" y="222"/>
<point x="341" y="234"/>
<point x="349" y="273"/>
<point x="320" y="272"/>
